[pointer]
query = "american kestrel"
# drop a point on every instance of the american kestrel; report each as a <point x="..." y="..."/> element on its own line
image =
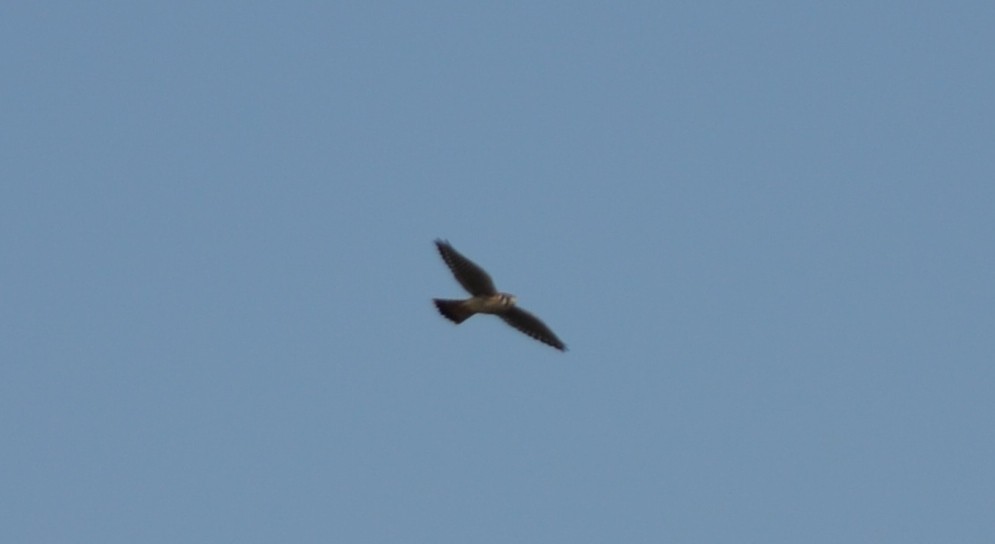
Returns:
<point x="487" y="300"/>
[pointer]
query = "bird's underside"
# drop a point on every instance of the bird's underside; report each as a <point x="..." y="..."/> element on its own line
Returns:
<point x="486" y="299"/>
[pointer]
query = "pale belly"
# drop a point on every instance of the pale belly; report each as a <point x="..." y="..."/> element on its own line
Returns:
<point x="494" y="304"/>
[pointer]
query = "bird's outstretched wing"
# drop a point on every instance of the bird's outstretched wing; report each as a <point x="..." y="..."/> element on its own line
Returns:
<point x="532" y="326"/>
<point x="467" y="273"/>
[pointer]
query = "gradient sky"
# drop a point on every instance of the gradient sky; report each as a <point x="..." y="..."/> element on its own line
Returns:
<point x="765" y="230"/>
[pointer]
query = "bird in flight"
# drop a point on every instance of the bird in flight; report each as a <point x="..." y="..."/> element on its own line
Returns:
<point x="486" y="299"/>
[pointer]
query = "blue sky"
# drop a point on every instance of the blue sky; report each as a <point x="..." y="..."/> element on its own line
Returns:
<point x="765" y="232"/>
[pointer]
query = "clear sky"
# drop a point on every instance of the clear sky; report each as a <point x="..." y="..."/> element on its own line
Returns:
<point x="765" y="230"/>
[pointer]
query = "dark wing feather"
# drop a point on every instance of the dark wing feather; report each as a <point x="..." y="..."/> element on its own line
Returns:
<point x="467" y="273"/>
<point x="530" y="325"/>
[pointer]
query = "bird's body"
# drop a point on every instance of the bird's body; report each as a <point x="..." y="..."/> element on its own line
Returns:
<point x="487" y="300"/>
<point x="459" y="311"/>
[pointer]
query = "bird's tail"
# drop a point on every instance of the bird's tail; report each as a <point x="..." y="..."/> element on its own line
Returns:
<point x="453" y="310"/>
